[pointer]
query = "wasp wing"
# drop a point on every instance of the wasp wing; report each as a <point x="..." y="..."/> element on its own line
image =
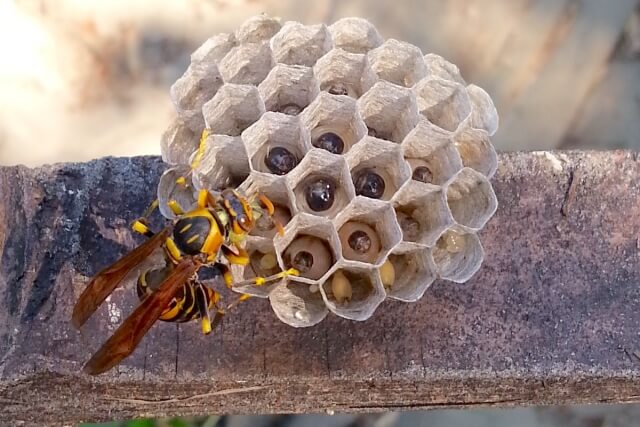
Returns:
<point x="128" y="335"/>
<point x="108" y="279"/>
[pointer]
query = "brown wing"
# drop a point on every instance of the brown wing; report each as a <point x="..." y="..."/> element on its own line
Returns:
<point x="108" y="279"/>
<point x="128" y="335"/>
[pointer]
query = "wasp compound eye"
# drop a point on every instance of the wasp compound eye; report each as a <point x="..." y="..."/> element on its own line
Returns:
<point x="331" y="142"/>
<point x="369" y="184"/>
<point x="280" y="161"/>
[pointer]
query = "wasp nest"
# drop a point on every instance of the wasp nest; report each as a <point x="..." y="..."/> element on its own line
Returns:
<point x="376" y="156"/>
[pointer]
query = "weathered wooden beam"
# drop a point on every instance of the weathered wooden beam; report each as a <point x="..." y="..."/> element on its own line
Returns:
<point x="553" y="316"/>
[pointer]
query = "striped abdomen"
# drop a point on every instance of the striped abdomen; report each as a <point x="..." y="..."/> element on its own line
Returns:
<point x="184" y="305"/>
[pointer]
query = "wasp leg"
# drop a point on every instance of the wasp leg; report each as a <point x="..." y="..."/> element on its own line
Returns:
<point x="225" y="272"/>
<point x="261" y="281"/>
<point x="140" y="224"/>
<point x="235" y="254"/>
<point x="202" y="303"/>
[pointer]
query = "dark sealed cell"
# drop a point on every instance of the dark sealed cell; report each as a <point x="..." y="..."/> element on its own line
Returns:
<point x="320" y="193"/>
<point x="280" y="161"/>
<point x="369" y="184"/>
<point x="331" y="142"/>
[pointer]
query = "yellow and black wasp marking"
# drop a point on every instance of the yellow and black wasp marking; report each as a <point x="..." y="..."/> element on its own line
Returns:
<point x="202" y="237"/>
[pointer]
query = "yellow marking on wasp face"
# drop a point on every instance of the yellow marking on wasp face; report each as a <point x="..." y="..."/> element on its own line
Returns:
<point x="193" y="238"/>
<point x="201" y="147"/>
<point x="185" y="228"/>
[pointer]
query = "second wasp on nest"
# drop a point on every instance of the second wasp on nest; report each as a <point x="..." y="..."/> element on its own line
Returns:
<point x="377" y="159"/>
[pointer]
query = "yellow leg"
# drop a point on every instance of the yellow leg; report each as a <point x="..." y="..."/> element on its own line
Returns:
<point x="203" y="198"/>
<point x="235" y="255"/>
<point x="172" y="249"/>
<point x="175" y="207"/>
<point x="140" y="224"/>
<point x="261" y="281"/>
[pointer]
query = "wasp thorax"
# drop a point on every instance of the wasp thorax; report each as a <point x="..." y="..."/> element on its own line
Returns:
<point x="369" y="184"/>
<point x="310" y="255"/>
<point x="280" y="161"/>
<point x="331" y="142"/>
<point x="319" y="193"/>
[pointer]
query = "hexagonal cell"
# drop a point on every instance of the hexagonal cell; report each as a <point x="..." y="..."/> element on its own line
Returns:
<point x="178" y="142"/>
<point x="377" y="168"/>
<point x="334" y="123"/>
<point x="233" y="109"/>
<point x="431" y="154"/>
<point x="398" y="62"/>
<point x="355" y="35"/>
<point x="413" y="271"/>
<point x="275" y="189"/>
<point x="353" y="292"/>
<point x="171" y="187"/>
<point x="276" y="143"/>
<point x="471" y="199"/>
<point x="309" y="244"/>
<point x="221" y="163"/>
<point x="296" y="305"/>
<point x="476" y="151"/>
<point x="300" y="44"/>
<point x="247" y="64"/>
<point x="422" y="212"/>
<point x="189" y="93"/>
<point x="263" y="262"/>
<point x="214" y="48"/>
<point x="321" y="184"/>
<point x="389" y="111"/>
<point x="484" y="114"/>
<point x="368" y="230"/>
<point x="344" y="73"/>
<point x="258" y="28"/>
<point x="444" y="103"/>
<point x="439" y="67"/>
<point x="289" y="88"/>
<point x="458" y="255"/>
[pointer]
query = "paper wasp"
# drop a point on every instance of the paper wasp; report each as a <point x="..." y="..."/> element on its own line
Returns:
<point x="197" y="238"/>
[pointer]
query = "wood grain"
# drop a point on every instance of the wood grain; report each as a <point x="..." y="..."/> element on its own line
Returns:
<point x="551" y="317"/>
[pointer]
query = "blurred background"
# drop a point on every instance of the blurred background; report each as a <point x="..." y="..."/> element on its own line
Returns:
<point x="86" y="78"/>
<point x="81" y="79"/>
